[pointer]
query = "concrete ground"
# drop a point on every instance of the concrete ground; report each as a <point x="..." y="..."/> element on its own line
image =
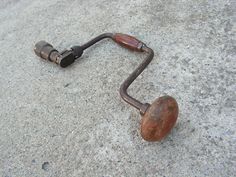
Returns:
<point x="72" y="122"/>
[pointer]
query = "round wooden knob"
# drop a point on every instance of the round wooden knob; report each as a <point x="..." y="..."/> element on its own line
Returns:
<point x="159" y="118"/>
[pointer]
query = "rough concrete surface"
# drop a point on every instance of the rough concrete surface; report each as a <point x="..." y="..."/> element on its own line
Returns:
<point x="72" y="122"/>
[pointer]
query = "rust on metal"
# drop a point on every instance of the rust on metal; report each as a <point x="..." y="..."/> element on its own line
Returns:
<point x="158" y="118"/>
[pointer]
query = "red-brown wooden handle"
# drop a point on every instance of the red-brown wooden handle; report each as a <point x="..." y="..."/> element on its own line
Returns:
<point x="128" y="42"/>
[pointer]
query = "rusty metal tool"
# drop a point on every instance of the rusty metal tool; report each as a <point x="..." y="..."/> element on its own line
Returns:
<point x="159" y="117"/>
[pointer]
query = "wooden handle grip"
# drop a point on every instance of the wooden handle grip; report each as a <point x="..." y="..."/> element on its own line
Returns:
<point x="128" y="42"/>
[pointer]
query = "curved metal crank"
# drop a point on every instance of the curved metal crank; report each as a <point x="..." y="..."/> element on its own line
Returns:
<point x="158" y="118"/>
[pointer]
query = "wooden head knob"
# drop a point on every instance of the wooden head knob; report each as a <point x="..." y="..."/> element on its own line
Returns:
<point x="159" y="118"/>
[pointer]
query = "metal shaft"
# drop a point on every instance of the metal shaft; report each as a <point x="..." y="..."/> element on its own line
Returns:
<point x="133" y="44"/>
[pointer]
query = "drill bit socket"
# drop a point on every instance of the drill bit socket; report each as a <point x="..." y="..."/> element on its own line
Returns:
<point x="46" y="51"/>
